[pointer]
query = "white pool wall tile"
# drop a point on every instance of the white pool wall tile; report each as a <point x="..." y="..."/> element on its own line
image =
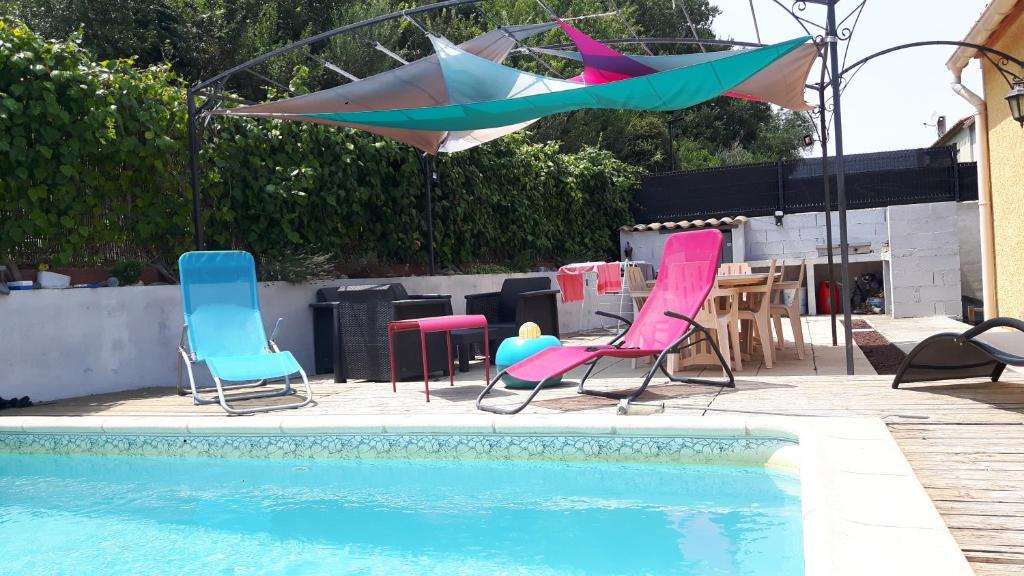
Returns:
<point x="226" y="442"/>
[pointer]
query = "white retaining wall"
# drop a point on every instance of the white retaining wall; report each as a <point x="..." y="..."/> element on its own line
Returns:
<point x="649" y="244"/>
<point x="969" y="232"/>
<point x="67" y="343"/>
<point x="924" y="264"/>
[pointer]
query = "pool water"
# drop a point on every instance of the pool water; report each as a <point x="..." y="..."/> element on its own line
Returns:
<point x="102" y="515"/>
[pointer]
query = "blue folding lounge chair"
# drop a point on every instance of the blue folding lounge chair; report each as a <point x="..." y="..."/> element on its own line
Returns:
<point x="224" y="330"/>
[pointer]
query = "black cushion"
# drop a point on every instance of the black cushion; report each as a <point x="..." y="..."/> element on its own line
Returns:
<point x="398" y="292"/>
<point x="512" y="288"/>
<point x="327" y="294"/>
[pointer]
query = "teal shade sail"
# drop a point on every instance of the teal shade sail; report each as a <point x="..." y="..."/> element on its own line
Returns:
<point x="532" y="96"/>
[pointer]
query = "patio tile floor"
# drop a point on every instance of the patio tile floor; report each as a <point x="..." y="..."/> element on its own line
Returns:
<point x="964" y="439"/>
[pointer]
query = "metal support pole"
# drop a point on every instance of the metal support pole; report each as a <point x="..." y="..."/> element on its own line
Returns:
<point x="671" y="148"/>
<point x="193" y="169"/>
<point x="427" y="163"/>
<point x="956" y="175"/>
<point x="831" y="36"/>
<point x="827" y="183"/>
<point x="781" y="183"/>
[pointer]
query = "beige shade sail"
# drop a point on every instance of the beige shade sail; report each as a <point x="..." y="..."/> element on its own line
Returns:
<point x="417" y="84"/>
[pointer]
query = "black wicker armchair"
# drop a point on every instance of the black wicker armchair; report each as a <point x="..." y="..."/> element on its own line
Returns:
<point x="520" y="300"/>
<point x="350" y="332"/>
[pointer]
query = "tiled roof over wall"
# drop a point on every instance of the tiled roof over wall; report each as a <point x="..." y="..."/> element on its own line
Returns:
<point x="686" y="224"/>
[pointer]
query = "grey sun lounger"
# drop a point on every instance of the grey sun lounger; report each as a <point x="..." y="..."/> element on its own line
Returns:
<point x="980" y="352"/>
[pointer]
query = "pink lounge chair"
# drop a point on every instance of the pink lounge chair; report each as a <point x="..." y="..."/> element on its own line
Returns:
<point x="685" y="278"/>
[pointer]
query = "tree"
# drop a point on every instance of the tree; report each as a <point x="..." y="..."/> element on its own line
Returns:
<point x="146" y="29"/>
<point x="740" y="131"/>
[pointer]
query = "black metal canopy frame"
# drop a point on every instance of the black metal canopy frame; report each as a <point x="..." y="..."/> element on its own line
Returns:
<point x="212" y="90"/>
<point x="833" y="79"/>
<point x="211" y="93"/>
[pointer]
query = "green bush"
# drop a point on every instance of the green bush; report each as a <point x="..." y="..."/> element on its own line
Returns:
<point x="128" y="272"/>
<point x="93" y="154"/>
<point x="90" y="152"/>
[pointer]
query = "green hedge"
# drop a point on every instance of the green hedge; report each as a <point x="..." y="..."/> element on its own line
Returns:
<point x="90" y="152"/>
<point x="92" y="156"/>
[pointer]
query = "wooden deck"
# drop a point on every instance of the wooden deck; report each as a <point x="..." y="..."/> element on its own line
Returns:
<point x="965" y="440"/>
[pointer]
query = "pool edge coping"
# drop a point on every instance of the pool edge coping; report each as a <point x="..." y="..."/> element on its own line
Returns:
<point x="863" y="509"/>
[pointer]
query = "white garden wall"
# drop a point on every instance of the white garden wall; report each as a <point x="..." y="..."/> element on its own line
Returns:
<point x="924" y="260"/>
<point x="66" y="343"/>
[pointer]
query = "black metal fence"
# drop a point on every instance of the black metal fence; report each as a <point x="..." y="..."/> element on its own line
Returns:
<point x="793" y="186"/>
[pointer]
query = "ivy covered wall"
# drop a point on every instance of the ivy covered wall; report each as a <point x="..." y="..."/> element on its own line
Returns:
<point x="92" y="168"/>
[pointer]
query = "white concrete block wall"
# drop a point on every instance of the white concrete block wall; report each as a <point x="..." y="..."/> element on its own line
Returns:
<point x="647" y="246"/>
<point x="923" y="277"/>
<point x="925" y="260"/>
<point x="66" y="343"/>
<point x="801" y="234"/>
<point x="866" y="225"/>
<point x="887" y="285"/>
<point x="968" y="231"/>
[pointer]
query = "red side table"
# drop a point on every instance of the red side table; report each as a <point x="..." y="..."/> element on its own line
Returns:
<point x="438" y="324"/>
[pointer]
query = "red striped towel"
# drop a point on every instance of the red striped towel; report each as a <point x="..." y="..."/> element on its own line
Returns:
<point x="608" y="278"/>
<point x="571" y="285"/>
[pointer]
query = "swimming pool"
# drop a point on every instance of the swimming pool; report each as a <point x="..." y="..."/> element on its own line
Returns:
<point x="127" y="515"/>
<point x="561" y="494"/>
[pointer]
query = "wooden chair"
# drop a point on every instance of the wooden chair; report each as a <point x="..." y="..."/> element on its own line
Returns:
<point x="699" y="353"/>
<point x="730" y="268"/>
<point x="638" y="292"/>
<point x="638" y="289"/>
<point x="720" y="316"/>
<point x="791" y="311"/>
<point x="755" y="311"/>
<point x="728" y="302"/>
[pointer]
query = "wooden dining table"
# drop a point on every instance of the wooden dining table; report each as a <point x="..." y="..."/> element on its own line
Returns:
<point x="727" y="293"/>
<point x="740" y="280"/>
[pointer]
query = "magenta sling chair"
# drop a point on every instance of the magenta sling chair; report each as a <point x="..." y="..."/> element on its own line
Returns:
<point x="685" y="278"/>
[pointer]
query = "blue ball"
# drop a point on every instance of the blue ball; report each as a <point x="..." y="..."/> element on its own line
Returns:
<point x="514" y="350"/>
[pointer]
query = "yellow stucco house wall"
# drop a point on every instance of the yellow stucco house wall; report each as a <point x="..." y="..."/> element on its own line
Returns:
<point x="1006" y="158"/>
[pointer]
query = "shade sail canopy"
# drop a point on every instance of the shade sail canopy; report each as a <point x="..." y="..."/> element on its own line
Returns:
<point x="781" y="83"/>
<point x="420" y="83"/>
<point x="602" y="64"/>
<point x="532" y="96"/>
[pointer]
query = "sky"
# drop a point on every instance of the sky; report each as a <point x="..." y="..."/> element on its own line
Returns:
<point x="888" y="103"/>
